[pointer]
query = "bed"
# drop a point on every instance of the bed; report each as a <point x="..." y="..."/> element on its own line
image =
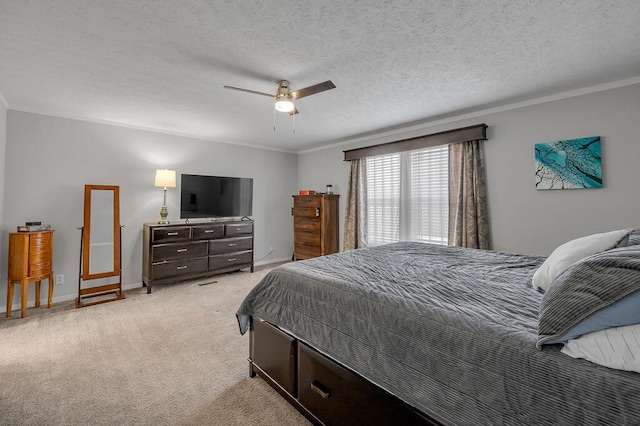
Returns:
<point x="450" y="332"/>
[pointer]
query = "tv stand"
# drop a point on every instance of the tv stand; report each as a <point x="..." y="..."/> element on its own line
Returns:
<point x="181" y="252"/>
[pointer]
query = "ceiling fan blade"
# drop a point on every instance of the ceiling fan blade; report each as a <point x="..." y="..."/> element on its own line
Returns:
<point x="312" y="90"/>
<point x="249" y="91"/>
<point x="294" y="111"/>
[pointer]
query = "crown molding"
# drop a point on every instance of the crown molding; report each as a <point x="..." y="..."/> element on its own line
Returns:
<point x="426" y="125"/>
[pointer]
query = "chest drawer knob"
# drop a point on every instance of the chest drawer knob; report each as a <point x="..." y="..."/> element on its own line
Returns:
<point x="231" y="259"/>
<point x="208" y="231"/>
<point x="183" y="250"/>
<point x="181" y="267"/>
<point x="321" y="389"/>
<point x="172" y="234"/>
<point x="232" y="244"/>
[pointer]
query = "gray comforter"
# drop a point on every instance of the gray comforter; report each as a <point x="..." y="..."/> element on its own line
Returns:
<point x="450" y="331"/>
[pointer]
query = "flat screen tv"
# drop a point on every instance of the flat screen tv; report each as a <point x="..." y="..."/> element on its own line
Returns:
<point x="215" y="196"/>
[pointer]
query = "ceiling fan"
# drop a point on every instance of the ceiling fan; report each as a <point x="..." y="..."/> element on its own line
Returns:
<point x="284" y="97"/>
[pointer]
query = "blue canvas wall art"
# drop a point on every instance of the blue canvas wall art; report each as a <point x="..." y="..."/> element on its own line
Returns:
<point x="569" y="164"/>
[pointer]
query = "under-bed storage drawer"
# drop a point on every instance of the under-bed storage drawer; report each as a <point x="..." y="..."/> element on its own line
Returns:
<point x="337" y="396"/>
<point x="274" y="352"/>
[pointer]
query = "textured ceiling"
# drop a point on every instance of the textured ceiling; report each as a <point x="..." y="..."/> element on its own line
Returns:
<point x="161" y="64"/>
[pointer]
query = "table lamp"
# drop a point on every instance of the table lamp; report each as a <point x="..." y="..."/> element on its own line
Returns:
<point x="165" y="179"/>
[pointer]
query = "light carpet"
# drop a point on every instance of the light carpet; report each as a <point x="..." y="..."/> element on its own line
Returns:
<point x="172" y="357"/>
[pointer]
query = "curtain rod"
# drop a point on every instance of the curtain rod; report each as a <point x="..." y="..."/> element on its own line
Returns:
<point x="464" y="134"/>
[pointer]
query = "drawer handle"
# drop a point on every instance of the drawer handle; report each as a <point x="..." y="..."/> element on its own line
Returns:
<point x="181" y="250"/>
<point x="232" y="244"/>
<point x="238" y="229"/>
<point x="181" y="267"/>
<point x="208" y="231"/>
<point x="171" y="234"/>
<point x="231" y="259"/>
<point x="320" y="389"/>
<point x="317" y="211"/>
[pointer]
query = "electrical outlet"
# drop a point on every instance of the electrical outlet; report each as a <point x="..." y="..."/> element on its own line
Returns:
<point x="60" y="279"/>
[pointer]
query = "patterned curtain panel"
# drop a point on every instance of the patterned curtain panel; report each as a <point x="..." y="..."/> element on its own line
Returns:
<point x="468" y="220"/>
<point x="355" y="223"/>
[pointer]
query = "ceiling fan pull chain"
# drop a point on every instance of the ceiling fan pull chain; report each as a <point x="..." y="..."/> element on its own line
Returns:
<point x="293" y="118"/>
<point x="274" y="120"/>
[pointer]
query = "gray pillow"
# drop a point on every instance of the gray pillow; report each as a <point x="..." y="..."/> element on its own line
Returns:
<point x="634" y="238"/>
<point x="585" y="288"/>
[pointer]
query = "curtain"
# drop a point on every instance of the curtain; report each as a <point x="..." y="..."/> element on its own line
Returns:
<point x="468" y="219"/>
<point x="355" y="223"/>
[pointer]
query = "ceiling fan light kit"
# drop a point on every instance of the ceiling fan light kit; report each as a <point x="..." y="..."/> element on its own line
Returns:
<point x="284" y="103"/>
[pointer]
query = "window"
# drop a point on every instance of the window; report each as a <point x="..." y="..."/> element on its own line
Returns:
<point x="408" y="196"/>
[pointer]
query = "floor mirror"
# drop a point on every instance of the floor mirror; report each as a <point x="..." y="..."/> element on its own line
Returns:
<point x="100" y="272"/>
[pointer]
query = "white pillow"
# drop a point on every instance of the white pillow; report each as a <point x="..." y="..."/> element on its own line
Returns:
<point x="617" y="348"/>
<point x="569" y="253"/>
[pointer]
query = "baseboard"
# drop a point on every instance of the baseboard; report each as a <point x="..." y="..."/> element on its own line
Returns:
<point x="269" y="261"/>
<point x="59" y="299"/>
<point x="67" y="297"/>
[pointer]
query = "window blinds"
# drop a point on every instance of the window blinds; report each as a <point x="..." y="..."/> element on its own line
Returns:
<point x="430" y="195"/>
<point x="383" y="199"/>
<point x="408" y="196"/>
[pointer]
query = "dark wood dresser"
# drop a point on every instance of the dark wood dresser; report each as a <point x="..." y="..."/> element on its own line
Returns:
<point x="315" y="225"/>
<point x="180" y="252"/>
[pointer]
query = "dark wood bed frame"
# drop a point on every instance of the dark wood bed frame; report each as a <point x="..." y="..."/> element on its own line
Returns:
<point x="324" y="391"/>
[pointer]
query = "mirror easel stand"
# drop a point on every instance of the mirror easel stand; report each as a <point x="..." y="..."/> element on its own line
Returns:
<point x="100" y="247"/>
<point x="114" y="289"/>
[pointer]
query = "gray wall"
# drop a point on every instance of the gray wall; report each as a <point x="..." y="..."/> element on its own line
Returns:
<point x="524" y="219"/>
<point x="49" y="160"/>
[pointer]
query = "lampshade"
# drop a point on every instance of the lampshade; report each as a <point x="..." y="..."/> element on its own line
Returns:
<point x="284" y="104"/>
<point x="166" y="178"/>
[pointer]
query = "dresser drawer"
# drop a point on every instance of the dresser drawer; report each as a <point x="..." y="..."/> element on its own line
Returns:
<point x="306" y="224"/>
<point x="171" y="233"/>
<point x="310" y="238"/>
<point x="39" y="269"/>
<point x="337" y="396"/>
<point x="175" y="268"/>
<point x="176" y="251"/>
<point x="306" y="251"/>
<point x="306" y="201"/>
<point x="238" y="229"/>
<point x="229" y="245"/>
<point x="205" y="232"/>
<point x="39" y="256"/>
<point x="227" y="261"/>
<point x="39" y="241"/>
<point x="305" y="212"/>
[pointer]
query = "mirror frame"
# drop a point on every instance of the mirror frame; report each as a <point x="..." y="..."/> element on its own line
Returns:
<point x="86" y="252"/>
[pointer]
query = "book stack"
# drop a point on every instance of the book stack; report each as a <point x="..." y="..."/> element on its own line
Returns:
<point x="33" y="227"/>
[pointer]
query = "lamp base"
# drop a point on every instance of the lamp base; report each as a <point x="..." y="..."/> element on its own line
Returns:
<point x="163" y="215"/>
